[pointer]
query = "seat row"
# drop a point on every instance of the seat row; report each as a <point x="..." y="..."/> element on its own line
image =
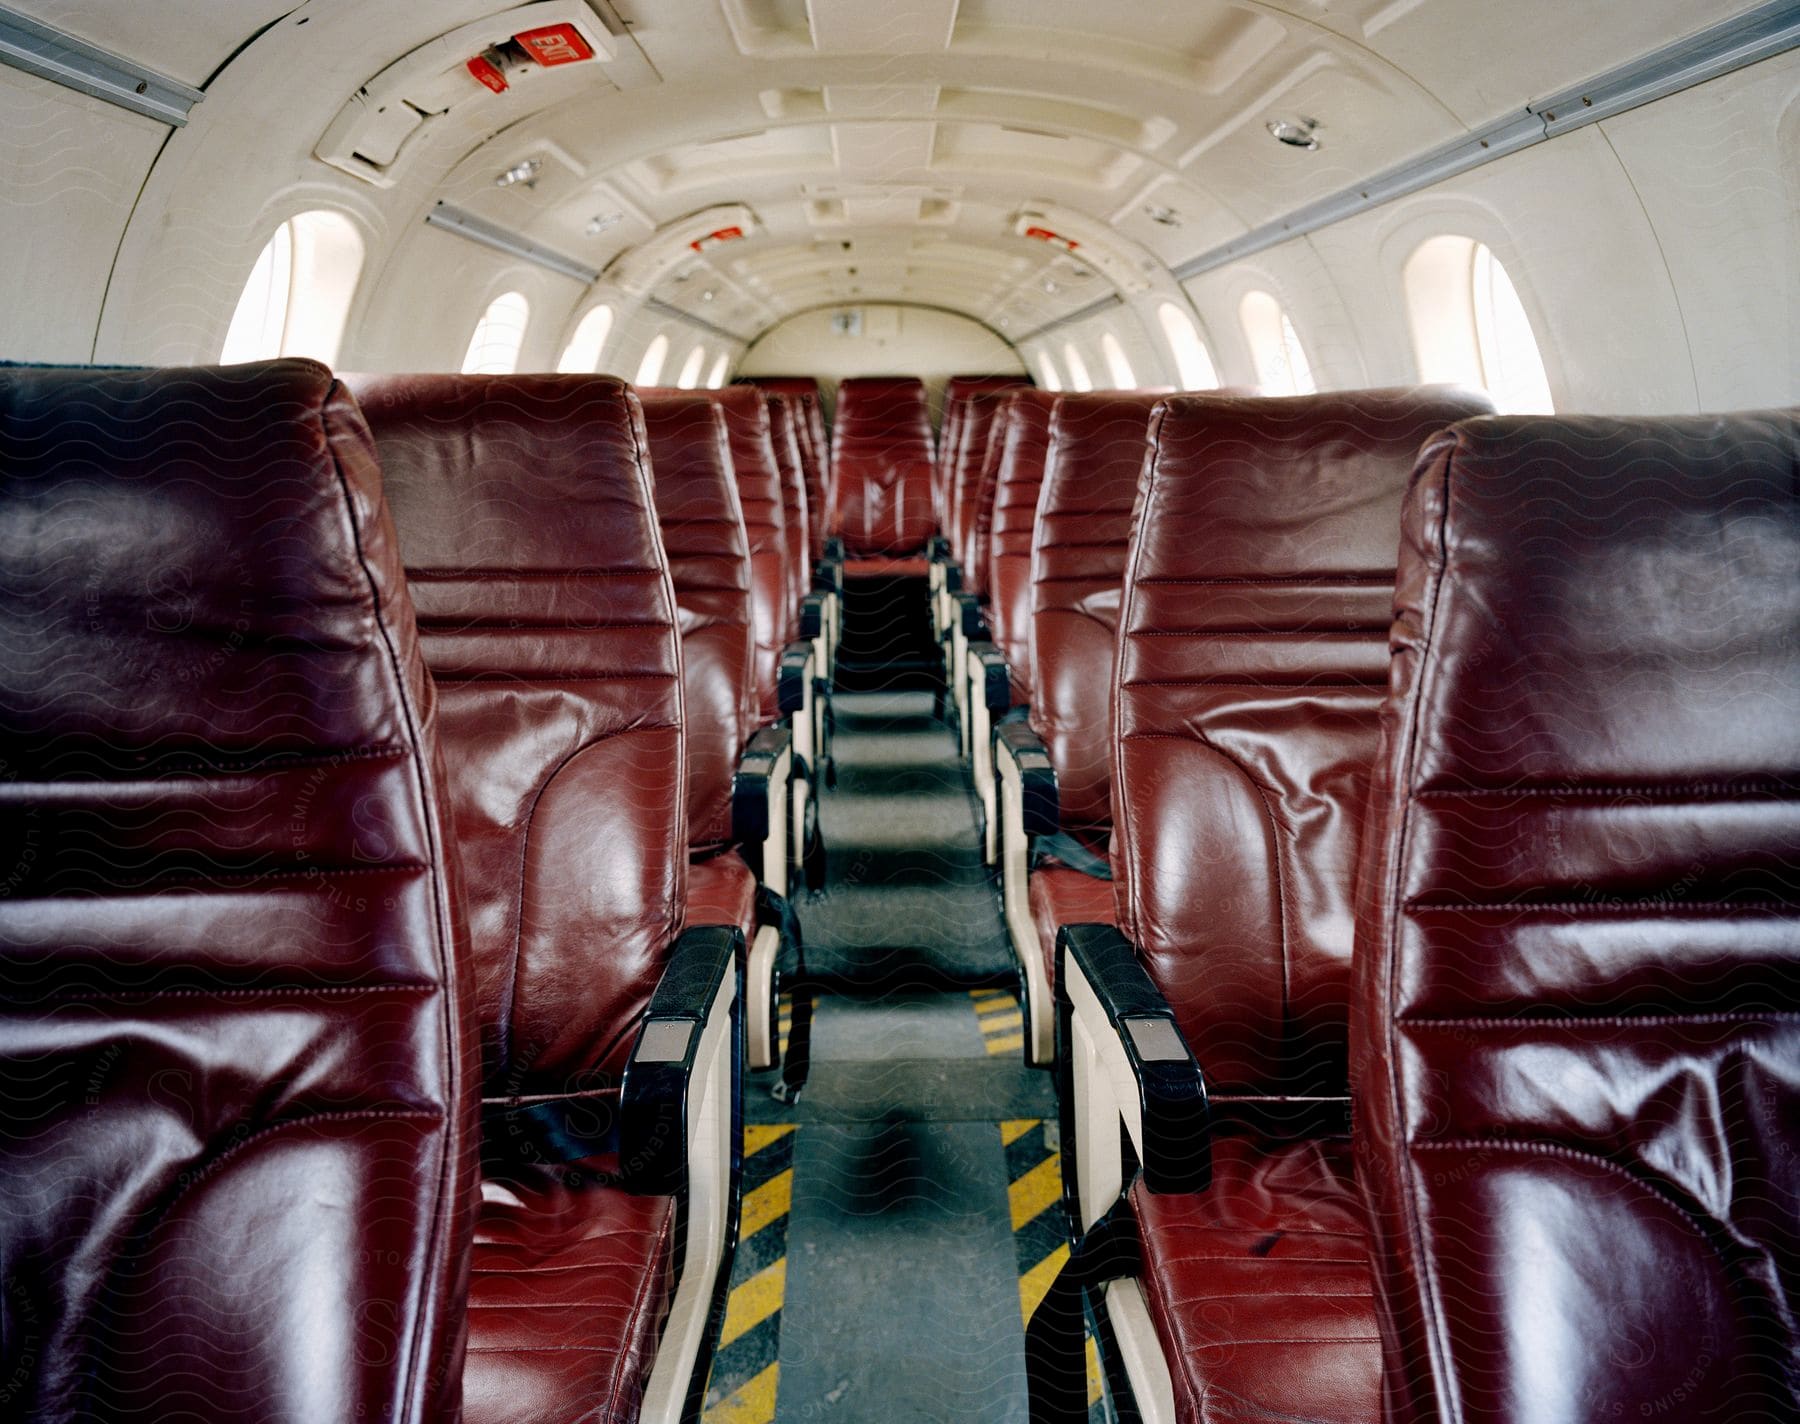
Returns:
<point x="1399" y="848"/>
<point x="399" y="817"/>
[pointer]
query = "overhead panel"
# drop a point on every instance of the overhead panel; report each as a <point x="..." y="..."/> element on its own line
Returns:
<point x="874" y="27"/>
<point x="883" y="150"/>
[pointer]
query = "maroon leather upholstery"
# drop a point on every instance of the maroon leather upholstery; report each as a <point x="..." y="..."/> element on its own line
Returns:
<point x="1578" y="1083"/>
<point x="237" y="1047"/>
<point x="881" y="466"/>
<point x="975" y="556"/>
<point x="1261" y="1287"/>
<point x="784" y="434"/>
<point x="1097" y="447"/>
<point x="1252" y="662"/>
<point x="803" y="394"/>
<point x="966" y="464"/>
<point x="1060" y="895"/>
<point x="702" y="527"/>
<point x="1025" y="440"/>
<point x="548" y="619"/>
<point x="958" y="391"/>
<point x="760" y="496"/>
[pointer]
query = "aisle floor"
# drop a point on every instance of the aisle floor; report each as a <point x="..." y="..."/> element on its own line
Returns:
<point x="901" y="1220"/>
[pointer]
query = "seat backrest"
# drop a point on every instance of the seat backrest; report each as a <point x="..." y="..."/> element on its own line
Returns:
<point x="1578" y="1056"/>
<point x="784" y="435"/>
<point x="702" y="526"/>
<point x="238" y="1042"/>
<point x="881" y="466"/>
<point x="1025" y="440"/>
<point x="529" y="533"/>
<point x="967" y="461"/>
<point x="1252" y="658"/>
<point x="958" y="391"/>
<point x="978" y="519"/>
<point x="760" y="497"/>
<point x="1097" y="445"/>
<point x="815" y="448"/>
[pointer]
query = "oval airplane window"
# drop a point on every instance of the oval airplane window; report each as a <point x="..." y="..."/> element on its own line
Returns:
<point x="1048" y="376"/>
<point x="690" y="369"/>
<point x="1512" y="367"/>
<point x="1193" y="366"/>
<point x="298" y="296"/>
<point x="650" y="368"/>
<point x="582" y="354"/>
<point x="715" y="378"/>
<point x="1469" y="327"/>
<point x="1079" y="380"/>
<point x="1281" y="365"/>
<point x="1117" y="366"/>
<point x="494" y="346"/>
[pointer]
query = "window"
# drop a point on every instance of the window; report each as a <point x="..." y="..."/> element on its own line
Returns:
<point x="716" y="377"/>
<point x="690" y="369"/>
<point x="1511" y="366"/>
<point x="650" y="368"/>
<point x="1469" y="327"/>
<point x="299" y="292"/>
<point x="1281" y="365"/>
<point x="1193" y="367"/>
<point x="494" y="348"/>
<point x="1117" y="367"/>
<point x="1079" y="380"/>
<point x="582" y="354"/>
<point x="1047" y="373"/>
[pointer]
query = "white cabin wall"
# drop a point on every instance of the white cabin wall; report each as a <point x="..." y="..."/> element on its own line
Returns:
<point x="71" y="169"/>
<point x="931" y="344"/>
<point x="1654" y="254"/>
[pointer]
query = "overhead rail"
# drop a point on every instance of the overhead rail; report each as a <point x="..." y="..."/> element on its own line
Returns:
<point x="656" y="305"/>
<point x="63" y="59"/>
<point x="501" y="239"/>
<point x="1757" y="34"/>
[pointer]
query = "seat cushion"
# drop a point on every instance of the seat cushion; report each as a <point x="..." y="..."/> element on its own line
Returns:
<point x="1061" y="896"/>
<point x="569" y="1286"/>
<point x="886" y="567"/>
<point x="722" y="891"/>
<point x="1261" y="1288"/>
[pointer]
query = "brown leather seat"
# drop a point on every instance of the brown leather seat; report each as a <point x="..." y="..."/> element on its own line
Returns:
<point x="1025" y="441"/>
<point x="238" y="1043"/>
<point x="881" y="467"/>
<point x="958" y="391"/>
<point x="1578" y="1061"/>
<point x="784" y="436"/>
<point x="1252" y="661"/>
<point x="802" y="393"/>
<point x="547" y="616"/>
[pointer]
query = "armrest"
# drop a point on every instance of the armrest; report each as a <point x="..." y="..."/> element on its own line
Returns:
<point x="791" y="684"/>
<point x="750" y="785"/>
<point x="827" y="576"/>
<point x="937" y="548"/>
<point x="952" y="577"/>
<point x="996" y="680"/>
<point x="1037" y="777"/>
<point x="1176" y="1151"/>
<point x="834" y="550"/>
<point x="653" y="1104"/>
<point x="812" y="615"/>
<point x="969" y="616"/>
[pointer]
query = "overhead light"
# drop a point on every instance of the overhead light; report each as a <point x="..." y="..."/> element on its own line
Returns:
<point x="525" y="171"/>
<point x="600" y="222"/>
<point x="1296" y="132"/>
<point x="1157" y="213"/>
<point x="1049" y="284"/>
<point x="707" y="295"/>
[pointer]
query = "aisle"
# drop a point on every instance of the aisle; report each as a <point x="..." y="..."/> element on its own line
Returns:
<point x="899" y="1222"/>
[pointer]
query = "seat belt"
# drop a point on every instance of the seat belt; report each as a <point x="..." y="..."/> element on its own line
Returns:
<point x="796" y="1064"/>
<point x="1055" y="1362"/>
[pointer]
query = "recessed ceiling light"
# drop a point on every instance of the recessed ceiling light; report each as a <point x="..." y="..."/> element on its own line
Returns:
<point x="525" y="171"/>
<point x="1168" y="217"/>
<point x="600" y="222"/>
<point x="1296" y="132"/>
<point x="707" y="295"/>
<point x="1049" y="284"/>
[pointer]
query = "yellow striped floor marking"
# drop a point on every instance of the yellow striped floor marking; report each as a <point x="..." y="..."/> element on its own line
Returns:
<point x="760" y="1135"/>
<point x="1015" y="1128"/>
<point x="752" y="1402"/>
<point x="1035" y="1283"/>
<point x="1001" y="1021"/>
<point x="769" y="1202"/>
<point x="754" y="1301"/>
<point x="1038" y="1189"/>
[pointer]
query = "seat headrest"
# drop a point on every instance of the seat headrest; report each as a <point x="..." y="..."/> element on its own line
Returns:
<point x="237" y="1037"/>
